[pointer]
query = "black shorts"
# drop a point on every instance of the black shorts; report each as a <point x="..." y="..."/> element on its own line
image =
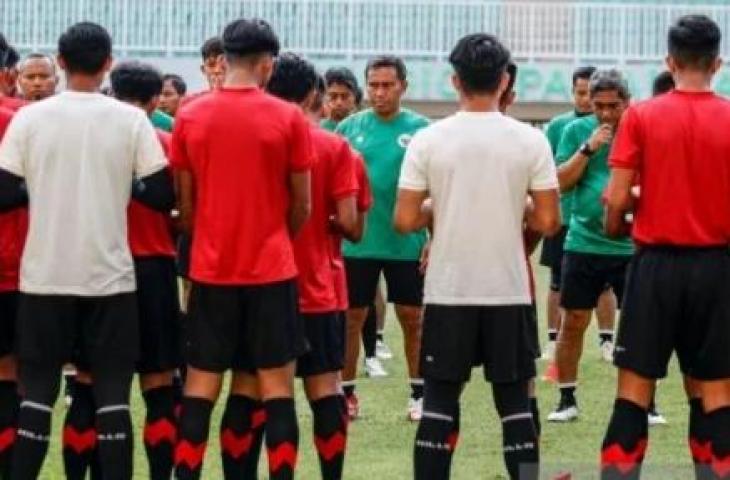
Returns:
<point x="326" y="336"/>
<point x="502" y="339"/>
<point x="403" y="280"/>
<point x="677" y="300"/>
<point x="244" y="328"/>
<point x="99" y="334"/>
<point x="586" y="276"/>
<point x="8" y="314"/>
<point x="183" y="255"/>
<point x="159" y="314"/>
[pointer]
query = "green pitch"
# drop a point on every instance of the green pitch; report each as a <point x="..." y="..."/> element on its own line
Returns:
<point x="381" y="442"/>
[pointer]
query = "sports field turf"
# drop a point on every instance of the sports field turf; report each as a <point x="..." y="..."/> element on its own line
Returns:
<point x="381" y="442"/>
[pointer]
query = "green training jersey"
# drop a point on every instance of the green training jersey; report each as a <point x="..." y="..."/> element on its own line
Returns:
<point x="585" y="230"/>
<point x="162" y="120"/>
<point x="328" y="124"/>
<point x="382" y="145"/>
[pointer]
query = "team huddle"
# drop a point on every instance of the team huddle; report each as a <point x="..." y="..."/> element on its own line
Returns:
<point x="281" y="204"/>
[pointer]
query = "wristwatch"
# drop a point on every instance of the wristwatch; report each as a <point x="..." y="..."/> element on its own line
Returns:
<point x="586" y="150"/>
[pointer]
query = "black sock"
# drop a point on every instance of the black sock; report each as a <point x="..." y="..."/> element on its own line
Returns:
<point x="519" y="438"/>
<point x="9" y="404"/>
<point x="193" y="428"/>
<point x="552" y="335"/>
<point x="115" y="440"/>
<point x="31" y="444"/>
<point x="241" y="434"/>
<point x="160" y="431"/>
<point x="605" y="336"/>
<point x="330" y="436"/>
<point x="567" y="394"/>
<point x="282" y="437"/>
<point x="438" y="431"/>
<point x="625" y="442"/>
<point x="416" y="388"/>
<point x="535" y="409"/>
<point x="178" y="386"/>
<point x="699" y="439"/>
<point x="348" y="388"/>
<point x="369" y="332"/>
<point x="719" y="422"/>
<point x="379" y="336"/>
<point x="79" y="433"/>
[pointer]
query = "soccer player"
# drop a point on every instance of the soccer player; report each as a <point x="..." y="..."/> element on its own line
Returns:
<point x="37" y="77"/>
<point x="478" y="301"/>
<point x="381" y="134"/>
<point x="13" y="227"/>
<point x="342" y="96"/>
<point x="674" y="147"/>
<point x="9" y="76"/>
<point x="592" y="260"/>
<point x="251" y="195"/>
<point x="173" y="91"/>
<point x="334" y="190"/>
<point x="552" y="250"/>
<point x="77" y="291"/>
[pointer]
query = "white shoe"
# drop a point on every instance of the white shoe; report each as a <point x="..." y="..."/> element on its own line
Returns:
<point x="549" y="351"/>
<point x="382" y="351"/>
<point x="415" y="409"/>
<point x="374" y="369"/>
<point x="564" y="414"/>
<point x="607" y="352"/>
<point x="655" y="418"/>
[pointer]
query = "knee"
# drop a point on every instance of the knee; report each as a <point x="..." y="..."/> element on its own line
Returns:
<point x="574" y="325"/>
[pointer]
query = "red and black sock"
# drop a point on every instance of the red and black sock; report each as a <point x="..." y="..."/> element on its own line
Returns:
<point x="241" y="435"/>
<point x="699" y="439"/>
<point x="719" y="422"/>
<point x="438" y="431"/>
<point x="193" y="427"/>
<point x="9" y="403"/>
<point x="79" y="433"/>
<point x="282" y="437"/>
<point x="625" y="442"/>
<point x="330" y="435"/>
<point x="160" y="431"/>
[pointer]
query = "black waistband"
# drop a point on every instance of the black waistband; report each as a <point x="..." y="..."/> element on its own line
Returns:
<point x="683" y="248"/>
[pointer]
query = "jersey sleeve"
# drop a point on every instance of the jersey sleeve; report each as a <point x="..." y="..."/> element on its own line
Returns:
<point x="414" y="171"/>
<point x="344" y="182"/>
<point x="179" y="159"/>
<point x="569" y="143"/>
<point x="543" y="175"/>
<point x="552" y="132"/>
<point x="364" y="193"/>
<point x="148" y="155"/>
<point x="626" y="149"/>
<point x="301" y="150"/>
<point x="13" y="149"/>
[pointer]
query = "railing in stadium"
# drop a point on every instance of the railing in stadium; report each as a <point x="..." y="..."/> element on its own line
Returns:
<point x="424" y="29"/>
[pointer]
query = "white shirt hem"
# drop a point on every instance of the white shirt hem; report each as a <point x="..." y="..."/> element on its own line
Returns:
<point x="477" y="301"/>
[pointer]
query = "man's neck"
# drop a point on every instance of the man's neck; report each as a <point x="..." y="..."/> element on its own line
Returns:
<point x="240" y="78"/>
<point x="479" y="103"/>
<point x="82" y="83"/>
<point x="387" y="117"/>
<point x="580" y="113"/>
<point x="693" y="81"/>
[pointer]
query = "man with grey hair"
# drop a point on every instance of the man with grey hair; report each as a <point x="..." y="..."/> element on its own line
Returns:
<point x="37" y="77"/>
<point x="592" y="260"/>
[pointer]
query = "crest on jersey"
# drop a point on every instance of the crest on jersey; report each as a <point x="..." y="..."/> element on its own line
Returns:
<point x="404" y="140"/>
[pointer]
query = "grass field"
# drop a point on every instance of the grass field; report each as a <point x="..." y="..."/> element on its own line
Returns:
<point x="380" y="443"/>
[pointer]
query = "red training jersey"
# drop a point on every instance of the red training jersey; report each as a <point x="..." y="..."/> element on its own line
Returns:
<point x="333" y="179"/>
<point x="364" y="202"/>
<point x="12" y="103"/>
<point x="13" y="230"/>
<point x="241" y="145"/>
<point x="679" y="146"/>
<point x="150" y="231"/>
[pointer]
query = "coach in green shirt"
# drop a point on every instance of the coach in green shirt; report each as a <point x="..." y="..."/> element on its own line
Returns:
<point x="592" y="260"/>
<point x="381" y="134"/>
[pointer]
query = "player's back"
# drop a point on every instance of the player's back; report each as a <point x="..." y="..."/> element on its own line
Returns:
<point x="684" y="168"/>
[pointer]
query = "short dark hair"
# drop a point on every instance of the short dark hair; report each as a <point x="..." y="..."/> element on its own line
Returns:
<point x="85" y="47"/>
<point x="694" y="41"/>
<point x="583" y="73"/>
<point x="245" y="37"/>
<point x="321" y="90"/>
<point x="607" y="80"/>
<point x="177" y="82"/>
<point x="293" y="78"/>
<point x="8" y="55"/>
<point x="134" y="81"/>
<point x="479" y="61"/>
<point x="212" y="48"/>
<point x="388" y="61"/>
<point x="663" y="83"/>
<point x="341" y="76"/>
<point x="512" y="72"/>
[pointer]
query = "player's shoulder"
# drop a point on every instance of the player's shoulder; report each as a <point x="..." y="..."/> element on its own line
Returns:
<point x="414" y="119"/>
<point x="355" y="120"/>
<point x="584" y="124"/>
<point x="560" y="120"/>
<point x="518" y="129"/>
